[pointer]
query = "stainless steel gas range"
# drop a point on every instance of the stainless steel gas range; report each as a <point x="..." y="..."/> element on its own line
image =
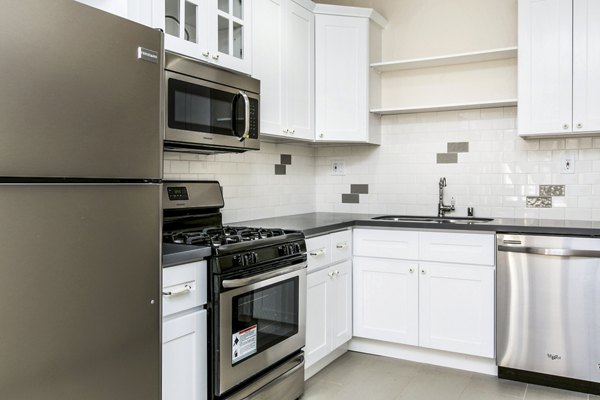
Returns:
<point x="257" y="285"/>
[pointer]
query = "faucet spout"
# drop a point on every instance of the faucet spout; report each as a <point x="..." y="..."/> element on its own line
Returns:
<point x="443" y="208"/>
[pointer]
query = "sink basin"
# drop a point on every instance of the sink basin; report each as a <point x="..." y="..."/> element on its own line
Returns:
<point x="441" y="220"/>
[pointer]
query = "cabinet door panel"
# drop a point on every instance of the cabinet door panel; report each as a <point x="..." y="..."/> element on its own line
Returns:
<point x="342" y="304"/>
<point x="318" y="342"/>
<point x="267" y="62"/>
<point x="300" y="72"/>
<point x="586" y="65"/>
<point x="184" y="358"/>
<point x="386" y="300"/>
<point x="545" y="66"/>
<point x="457" y="308"/>
<point x="342" y="72"/>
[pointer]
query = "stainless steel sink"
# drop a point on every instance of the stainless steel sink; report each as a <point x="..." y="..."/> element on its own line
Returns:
<point x="441" y="220"/>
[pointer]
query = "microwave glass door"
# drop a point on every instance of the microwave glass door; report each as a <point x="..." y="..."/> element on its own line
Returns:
<point x="263" y="318"/>
<point x="202" y="109"/>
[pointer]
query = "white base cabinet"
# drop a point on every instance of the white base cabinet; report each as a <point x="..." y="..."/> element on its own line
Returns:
<point x="423" y="300"/>
<point x="329" y="295"/>
<point x="184" y="332"/>
<point x="329" y="311"/>
<point x="184" y="357"/>
<point x="456" y="308"/>
<point x="386" y="300"/>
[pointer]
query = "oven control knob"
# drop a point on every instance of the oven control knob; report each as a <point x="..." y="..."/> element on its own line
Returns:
<point x="297" y="248"/>
<point x="238" y="261"/>
<point x="254" y="257"/>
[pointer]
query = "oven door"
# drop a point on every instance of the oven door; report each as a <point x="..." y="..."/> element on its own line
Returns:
<point x="206" y="114"/>
<point x="261" y="321"/>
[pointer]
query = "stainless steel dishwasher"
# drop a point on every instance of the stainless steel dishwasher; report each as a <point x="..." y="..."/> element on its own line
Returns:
<point x="548" y="310"/>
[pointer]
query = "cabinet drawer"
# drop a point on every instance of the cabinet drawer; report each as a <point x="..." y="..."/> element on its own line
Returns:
<point x="386" y="244"/>
<point x="341" y="246"/>
<point x="454" y="247"/>
<point x="187" y="287"/>
<point x="318" y="249"/>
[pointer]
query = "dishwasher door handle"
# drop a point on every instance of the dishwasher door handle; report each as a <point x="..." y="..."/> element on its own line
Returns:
<point x="550" y="252"/>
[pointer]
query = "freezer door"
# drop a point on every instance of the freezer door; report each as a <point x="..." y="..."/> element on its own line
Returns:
<point x="75" y="99"/>
<point x="79" y="292"/>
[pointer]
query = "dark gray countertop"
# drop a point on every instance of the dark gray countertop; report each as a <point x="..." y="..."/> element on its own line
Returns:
<point x="313" y="224"/>
<point x="176" y="254"/>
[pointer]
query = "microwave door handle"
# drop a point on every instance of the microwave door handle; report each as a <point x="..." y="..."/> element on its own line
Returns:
<point x="246" y="116"/>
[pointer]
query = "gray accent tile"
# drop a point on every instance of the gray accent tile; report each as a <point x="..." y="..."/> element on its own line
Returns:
<point x="552" y="190"/>
<point x="539" y="202"/>
<point x="286" y="159"/>
<point x="458" y="147"/>
<point x="447" y="158"/>
<point x="362" y="189"/>
<point x="280" y="169"/>
<point x="350" y="198"/>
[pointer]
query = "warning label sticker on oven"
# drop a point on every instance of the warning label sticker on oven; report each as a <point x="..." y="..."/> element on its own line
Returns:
<point x="243" y="343"/>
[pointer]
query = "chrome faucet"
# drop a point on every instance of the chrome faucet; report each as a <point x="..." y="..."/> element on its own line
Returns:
<point x="442" y="208"/>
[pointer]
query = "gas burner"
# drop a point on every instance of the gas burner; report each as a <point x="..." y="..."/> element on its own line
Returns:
<point x="220" y="236"/>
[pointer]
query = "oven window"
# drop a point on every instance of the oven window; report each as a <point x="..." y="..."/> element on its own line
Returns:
<point x="198" y="108"/>
<point x="264" y="317"/>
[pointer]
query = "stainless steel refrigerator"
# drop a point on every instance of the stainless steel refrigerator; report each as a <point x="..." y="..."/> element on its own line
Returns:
<point x="80" y="170"/>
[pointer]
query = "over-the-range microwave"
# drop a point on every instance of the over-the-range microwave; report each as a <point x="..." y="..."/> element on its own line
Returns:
<point x="209" y="109"/>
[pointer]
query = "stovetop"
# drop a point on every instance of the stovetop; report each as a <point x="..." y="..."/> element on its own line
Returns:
<point x="242" y="250"/>
<point x="217" y="236"/>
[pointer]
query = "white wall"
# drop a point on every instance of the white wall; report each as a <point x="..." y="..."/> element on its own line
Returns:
<point x="495" y="176"/>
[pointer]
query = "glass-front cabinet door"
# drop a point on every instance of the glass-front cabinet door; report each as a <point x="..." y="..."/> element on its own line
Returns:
<point x="213" y="31"/>
<point x="184" y="26"/>
<point x="232" y="33"/>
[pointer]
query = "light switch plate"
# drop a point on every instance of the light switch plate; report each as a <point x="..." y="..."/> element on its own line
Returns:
<point x="567" y="165"/>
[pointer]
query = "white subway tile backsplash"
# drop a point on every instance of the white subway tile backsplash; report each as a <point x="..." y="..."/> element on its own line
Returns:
<point x="494" y="177"/>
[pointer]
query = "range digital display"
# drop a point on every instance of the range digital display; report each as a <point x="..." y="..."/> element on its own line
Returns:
<point x="178" y="193"/>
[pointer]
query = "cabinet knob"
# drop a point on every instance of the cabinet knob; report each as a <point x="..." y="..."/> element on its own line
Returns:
<point x="285" y="131"/>
<point x="337" y="273"/>
<point x="215" y="57"/>
<point x="321" y="135"/>
<point x="292" y="131"/>
<point x="411" y="270"/>
<point x="331" y="274"/>
<point x="579" y="125"/>
<point x="566" y="126"/>
<point x="206" y="53"/>
<point x="423" y="272"/>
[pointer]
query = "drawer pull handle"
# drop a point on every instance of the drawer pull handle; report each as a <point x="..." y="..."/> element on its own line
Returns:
<point x="316" y="253"/>
<point x="342" y="245"/>
<point x="185" y="289"/>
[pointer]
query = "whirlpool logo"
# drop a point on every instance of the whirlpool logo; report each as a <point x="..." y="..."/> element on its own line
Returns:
<point x="554" y="356"/>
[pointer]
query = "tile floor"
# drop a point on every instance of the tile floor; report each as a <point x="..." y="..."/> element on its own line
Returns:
<point x="358" y="376"/>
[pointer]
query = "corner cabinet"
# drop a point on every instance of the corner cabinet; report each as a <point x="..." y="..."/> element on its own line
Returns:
<point x="329" y="295"/>
<point x="559" y="67"/>
<point x="428" y="289"/>
<point x="347" y="40"/>
<point x="283" y="60"/>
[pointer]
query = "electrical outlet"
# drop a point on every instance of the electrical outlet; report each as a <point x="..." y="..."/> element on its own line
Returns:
<point x="567" y="165"/>
<point x="338" y="168"/>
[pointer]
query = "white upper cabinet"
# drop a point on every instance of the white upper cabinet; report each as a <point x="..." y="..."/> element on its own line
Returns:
<point x="345" y="46"/>
<point x="214" y="31"/>
<point x="586" y="66"/>
<point x="559" y="67"/>
<point x="283" y="60"/>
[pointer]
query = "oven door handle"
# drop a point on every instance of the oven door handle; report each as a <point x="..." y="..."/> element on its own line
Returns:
<point x="236" y="283"/>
